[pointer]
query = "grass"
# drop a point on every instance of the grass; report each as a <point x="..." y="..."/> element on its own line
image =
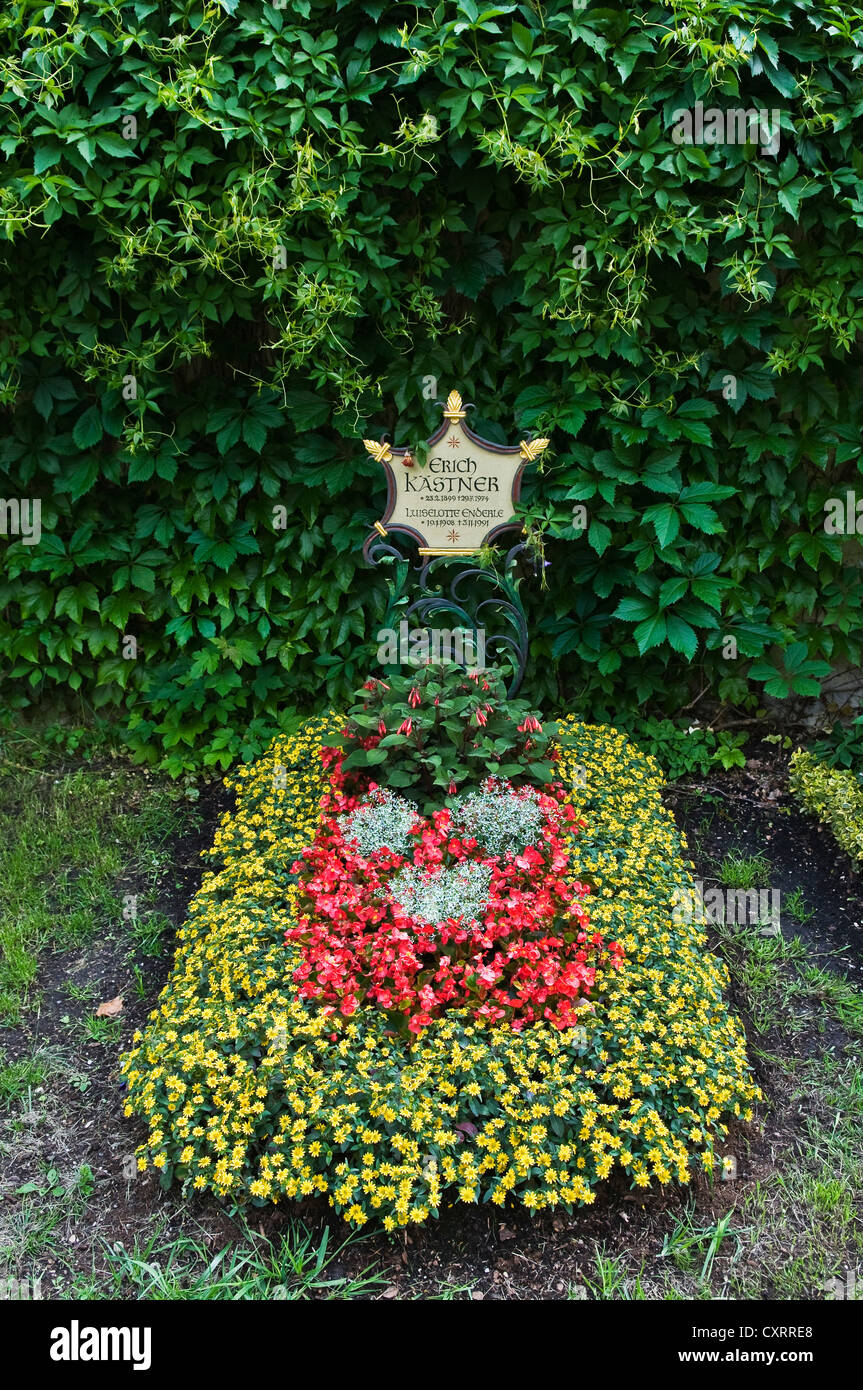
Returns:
<point x="612" y="1281"/>
<point x="150" y="933"/>
<point x="794" y="903"/>
<point x="298" y="1265"/>
<point x="65" y="837"/>
<point x="18" y="1079"/>
<point x="806" y="1215"/>
<point x="86" y="858"/>
<point x="786" y="991"/>
<point x="839" y="997"/>
<point x="744" y="871"/>
<point x="687" y="1242"/>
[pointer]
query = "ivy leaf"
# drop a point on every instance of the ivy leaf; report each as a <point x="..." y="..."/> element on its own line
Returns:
<point x="672" y="590"/>
<point x="480" y="261"/>
<point x="112" y="143"/>
<point x="681" y="636"/>
<point x="599" y="536"/>
<point x="306" y="410"/>
<point x="701" y="516"/>
<point x="254" y="433"/>
<point x="633" y="609"/>
<point x="46" y="155"/>
<point x="651" y="633"/>
<point x="88" y="428"/>
<point x="666" y="522"/>
<point x="571" y="418"/>
<point x="80" y="478"/>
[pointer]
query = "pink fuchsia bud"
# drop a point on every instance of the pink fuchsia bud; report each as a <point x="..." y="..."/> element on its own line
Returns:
<point x="406" y="726"/>
<point x="414" y="698"/>
<point x="452" y="788"/>
<point x="480" y="717"/>
<point x="530" y="726"/>
<point x="382" y="728"/>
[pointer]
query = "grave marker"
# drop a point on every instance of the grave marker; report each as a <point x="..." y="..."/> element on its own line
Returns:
<point x="464" y="494"/>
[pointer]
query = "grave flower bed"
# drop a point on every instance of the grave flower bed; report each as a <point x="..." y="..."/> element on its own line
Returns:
<point x="258" y="1084"/>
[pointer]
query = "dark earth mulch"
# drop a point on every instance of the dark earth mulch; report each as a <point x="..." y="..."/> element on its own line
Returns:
<point x="750" y="812"/>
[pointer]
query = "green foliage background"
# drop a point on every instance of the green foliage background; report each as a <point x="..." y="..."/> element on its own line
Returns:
<point x="429" y="174"/>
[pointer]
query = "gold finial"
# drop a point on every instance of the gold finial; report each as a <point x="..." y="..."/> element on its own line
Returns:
<point x="379" y="450"/>
<point x="453" y="409"/>
<point x="531" y="449"/>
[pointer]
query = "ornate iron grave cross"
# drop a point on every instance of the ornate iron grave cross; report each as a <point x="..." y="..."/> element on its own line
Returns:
<point x="455" y="502"/>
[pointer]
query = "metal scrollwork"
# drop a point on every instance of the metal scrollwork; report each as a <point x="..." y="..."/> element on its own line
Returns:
<point x="478" y="599"/>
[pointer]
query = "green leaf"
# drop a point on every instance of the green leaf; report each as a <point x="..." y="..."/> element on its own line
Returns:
<point x="88" y="428"/>
<point x="114" y="144"/>
<point x="599" y="536"/>
<point x="306" y="410"/>
<point x="634" y="609"/>
<point x="681" y="636"/>
<point x="650" y="633"/>
<point x="666" y="521"/>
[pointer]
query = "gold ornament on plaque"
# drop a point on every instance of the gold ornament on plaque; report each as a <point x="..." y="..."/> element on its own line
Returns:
<point x="453" y="409"/>
<point x="379" y="450"/>
<point x="531" y="449"/>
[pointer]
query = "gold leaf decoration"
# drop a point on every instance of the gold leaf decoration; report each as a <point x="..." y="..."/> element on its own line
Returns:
<point x="379" y="450"/>
<point x="531" y="449"/>
<point x="453" y="409"/>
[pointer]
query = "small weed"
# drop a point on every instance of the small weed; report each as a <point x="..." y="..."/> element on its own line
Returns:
<point x="50" y="1186"/>
<point x="18" y="1079"/>
<point x="80" y="993"/>
<point x="148" y="933"/>
<point x="842" y="999"/>
<point x="744" y="871"/>
<point x="686" y="1243"/>
<point x="613" y="1280"/>
<point x="793" y="903"/>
